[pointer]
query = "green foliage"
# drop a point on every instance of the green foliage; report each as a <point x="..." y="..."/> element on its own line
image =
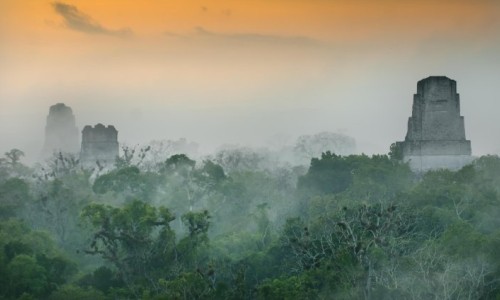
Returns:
<point x="138" y="241"/>
<point x="130" y="156"/>
<point x="348" y="227"/>
<point x="11" y="166"/>
<point x="489" y="166"/>
<point x="14" y="195"/>
<point x="213" y="172"/>
<point x="180" y="164"/>
<point x="103" y="279"/>
<point x="131" y="237"/>
<point x="197" y="223"/>
<point x="14" y="232"/>
<point x="235" y="159"/>
<point x="372" y="178"/>
<point x="30" y="264"/>
<point x="294" y="287"/>
<point x="396" y="151"/>
<point x="329" y="174"/>
<point x="191" y="285"/>
<point x="128" y="181"/>
<point x="57" y="209"/>
<point x="462" y="240"/>
<point x="77" y="293"/>
<point x="188" y="247"/>
<point x="26" y="276"/>
<point x="308" y="146"/>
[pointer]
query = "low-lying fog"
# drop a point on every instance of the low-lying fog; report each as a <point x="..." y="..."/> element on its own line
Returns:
<point x="375" y="114"/>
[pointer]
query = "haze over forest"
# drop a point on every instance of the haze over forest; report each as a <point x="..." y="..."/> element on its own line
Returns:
<point x="260" y="151"/>
<point x="242" y="72"/>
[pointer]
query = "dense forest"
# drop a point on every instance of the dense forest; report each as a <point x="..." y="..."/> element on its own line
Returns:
<point x="244" y="224"/>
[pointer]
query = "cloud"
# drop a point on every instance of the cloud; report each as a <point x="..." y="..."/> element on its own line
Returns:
<point x="202" y="33"/>
<point x="79" y="21"/>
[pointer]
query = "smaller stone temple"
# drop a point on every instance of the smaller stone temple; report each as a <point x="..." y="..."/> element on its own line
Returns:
<point x="61" y="133"/>
<point x="436" y="131"/>
<point x="99" y="143"/>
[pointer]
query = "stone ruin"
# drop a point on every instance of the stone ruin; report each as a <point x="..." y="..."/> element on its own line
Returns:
<point x="99" y="144"/>
<point x="436" y="132"/>
<point x="61" y="133"/>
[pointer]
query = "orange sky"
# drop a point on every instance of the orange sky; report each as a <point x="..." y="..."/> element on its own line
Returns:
<point x="239" y="57"/>
<point x="328" y="20"/>
<point x="231" y="34"/>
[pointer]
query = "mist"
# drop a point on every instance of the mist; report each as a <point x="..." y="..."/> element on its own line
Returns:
<point x="374" y="110"/>
<point x="239" y="86"/>
<point x="247" y="149"/>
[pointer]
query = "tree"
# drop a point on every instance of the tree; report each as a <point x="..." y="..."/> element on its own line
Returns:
<point x="350" y="238"/>
<point x="179" y="164"/>
<point x="367" y="178"/>
<point x="75" y="292"/>
<point x="187" y="248"/>
<point x="14" y="197"/>
<point x="376" y="234"/>
<point x="138" y="241"/>
<point x="212" y="172"/>
<point x="11" y="165"/>
<point x="310" y="146"/>
<point x="161" y="150"/>
<point x="293" y="287"/>
<point x="102" y="279"/>
<point x="26" y="276"/>
<point x="396" y="151"/>
<point x="131" y="157"/>
<point x="13" y="157"/>
<point x="57" y="209"/>
<point x="329" y="174"/>
<point x="182" y="182"/>
<point x="239" y="159"/>
<point x="30" y="263"/>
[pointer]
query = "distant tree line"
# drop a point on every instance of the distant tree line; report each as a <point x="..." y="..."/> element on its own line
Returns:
<point x="241" y="224"/>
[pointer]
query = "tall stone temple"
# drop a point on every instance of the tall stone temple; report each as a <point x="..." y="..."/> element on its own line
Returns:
<point x="436" y="132"/>
<point x="99" y="143"/>
<point x="61" y="133"/>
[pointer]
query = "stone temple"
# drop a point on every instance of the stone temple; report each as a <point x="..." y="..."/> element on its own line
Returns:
<point x="436" y="132"/>
<point x="99" y="143"/>
<point x="61" y="133"/>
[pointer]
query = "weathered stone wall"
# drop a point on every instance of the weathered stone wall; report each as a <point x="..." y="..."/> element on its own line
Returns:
<point x="61" y="133"/>
<point x="433" y="162"/>
<point x="99" y="143"/>
<point x="436" y="131"/>
<point x="436" y="147"/>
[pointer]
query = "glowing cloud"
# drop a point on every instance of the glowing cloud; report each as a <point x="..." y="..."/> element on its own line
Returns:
<point x="79" y="21"/>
